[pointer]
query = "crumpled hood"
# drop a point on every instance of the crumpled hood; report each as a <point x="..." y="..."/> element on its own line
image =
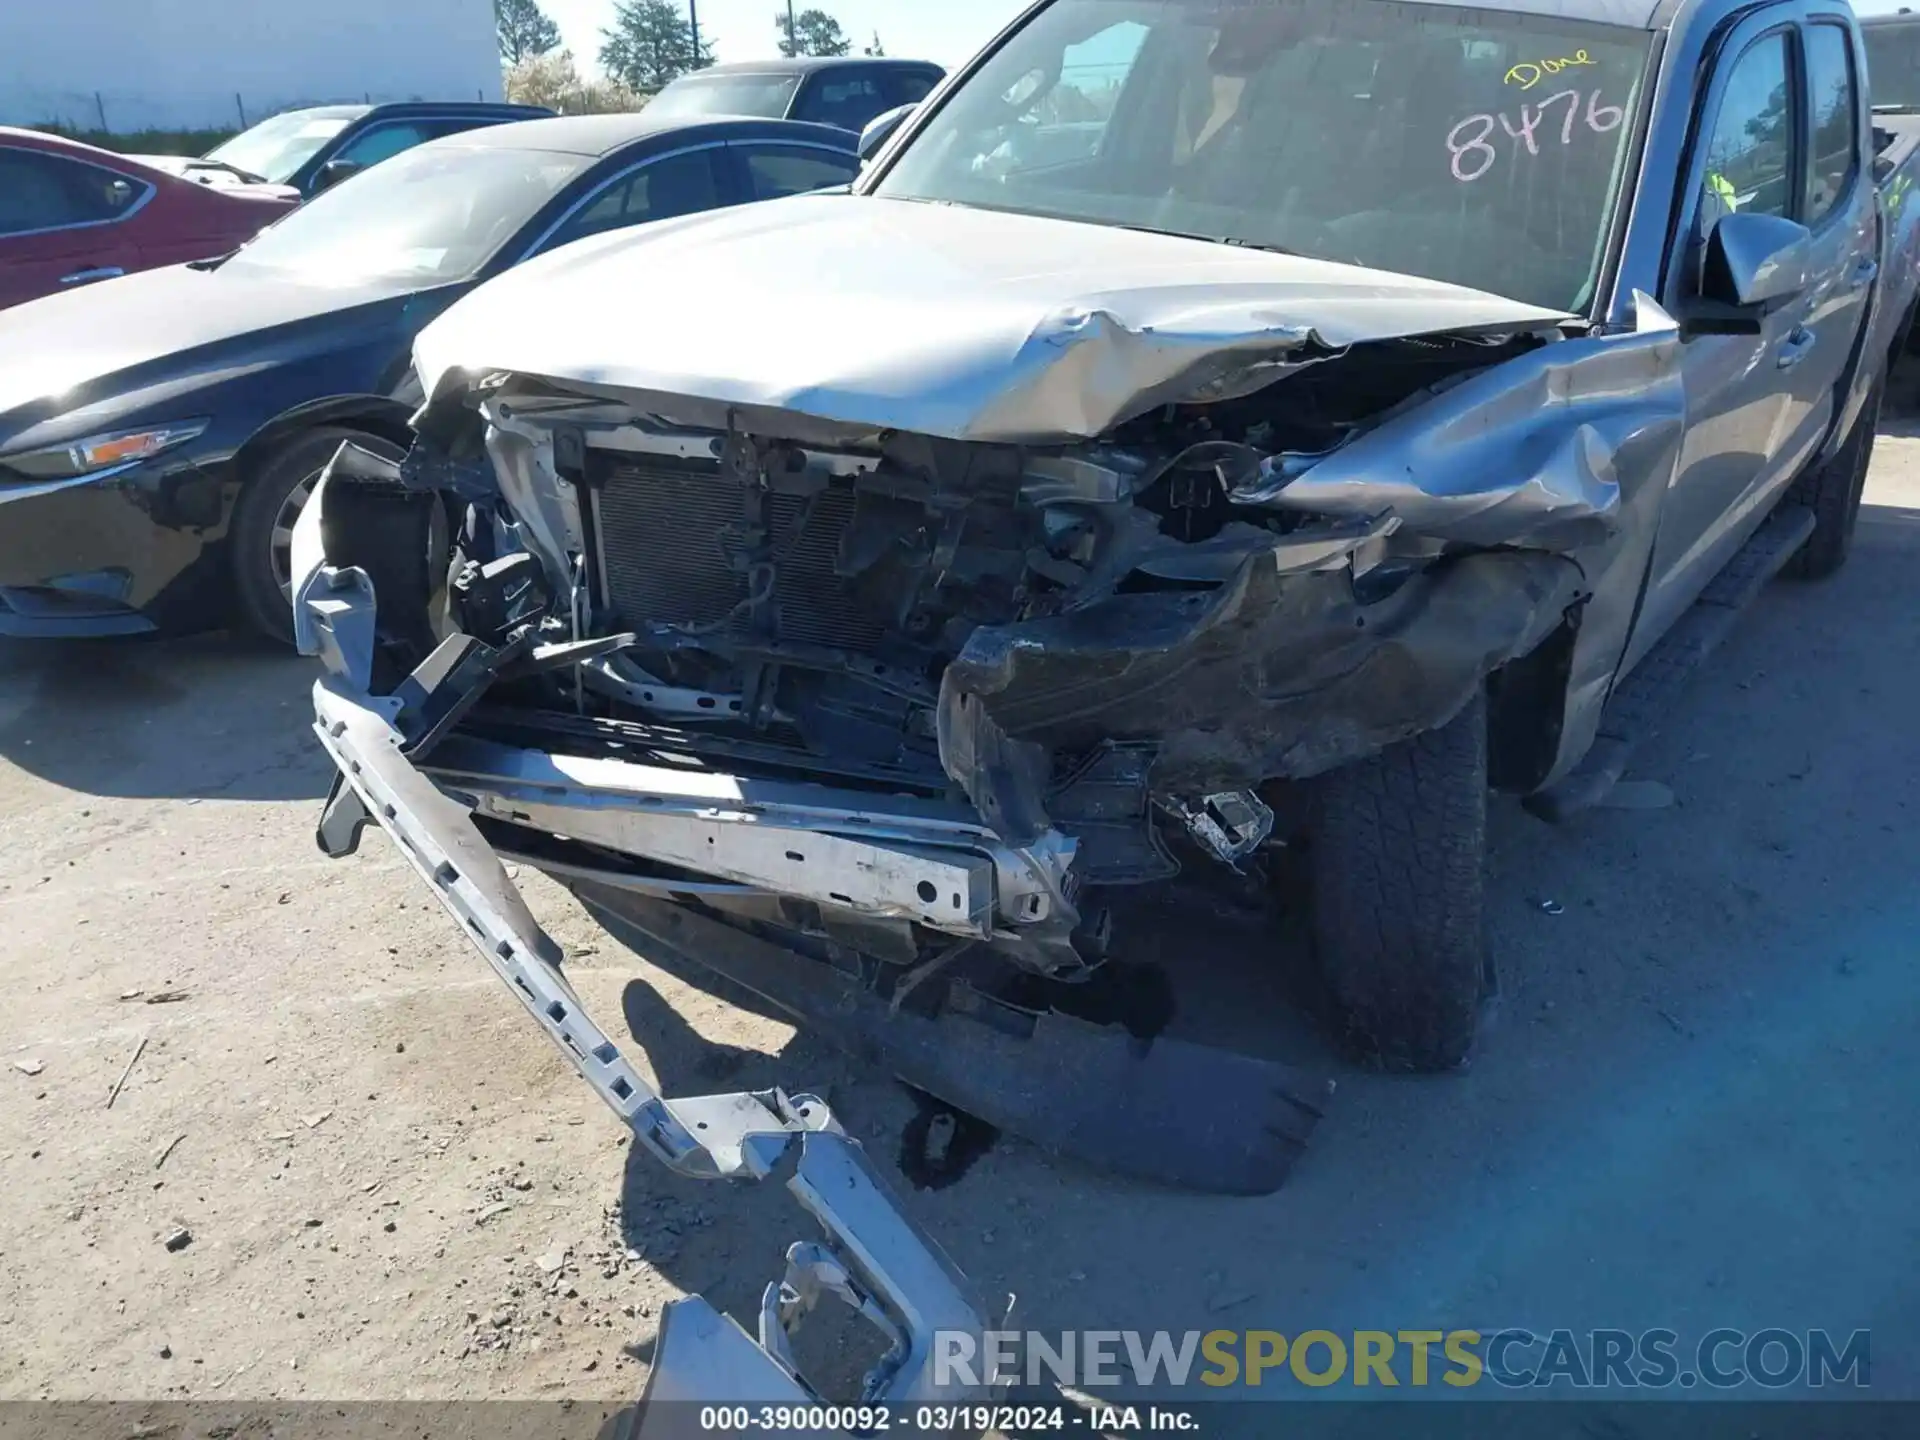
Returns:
<point x="948" y="321"/>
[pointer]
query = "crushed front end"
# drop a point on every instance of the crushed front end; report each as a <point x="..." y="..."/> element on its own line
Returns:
<point x="869" y="716"/>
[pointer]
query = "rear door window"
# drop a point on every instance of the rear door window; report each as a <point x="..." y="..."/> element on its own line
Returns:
<point x="777" y="171"/>
<point x="39" y="191"/>
<point x="846" y="99"/>
<point x="1836" y="137"/>
<point x="675" y="185"/>
<point x="1893" y="63"/>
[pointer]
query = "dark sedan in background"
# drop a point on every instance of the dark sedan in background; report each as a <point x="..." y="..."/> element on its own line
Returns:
<point x="844" y="91"/>
<point x="158" y="436"/>
<point x="72" y="214"/>
<point x="321" y="145"/>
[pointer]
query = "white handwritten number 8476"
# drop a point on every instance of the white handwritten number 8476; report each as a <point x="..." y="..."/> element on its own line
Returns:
<point x="1470" y="142"/>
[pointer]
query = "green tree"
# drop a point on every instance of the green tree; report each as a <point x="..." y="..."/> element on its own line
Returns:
<point x="524" y="29"/>
<point x="651" y="45"/>
<point x="811" y="32"/>
<point x="877" y="50"/>
<point x="553" y="81"/>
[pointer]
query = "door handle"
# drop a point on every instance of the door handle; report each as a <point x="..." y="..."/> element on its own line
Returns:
<point x="1863" y="274"/>
<point x="99" y="272"/>
<point x="1795" y="348"/>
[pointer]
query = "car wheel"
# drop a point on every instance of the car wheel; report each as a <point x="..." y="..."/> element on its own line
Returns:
<point x="1832" y="491"/>
<point x="262" y="535"/>
<point x="1396" y="869"/>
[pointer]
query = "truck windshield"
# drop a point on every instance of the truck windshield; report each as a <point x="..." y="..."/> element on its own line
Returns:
<point x="276" y="149"/>
<point x="1480" y="147"/>
<point x="764" y="95"/>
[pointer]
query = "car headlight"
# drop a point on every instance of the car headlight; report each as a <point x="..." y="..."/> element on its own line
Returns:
<point x="101" y="452"/>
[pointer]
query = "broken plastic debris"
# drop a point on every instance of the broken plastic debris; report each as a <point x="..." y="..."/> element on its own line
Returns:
<point x="28" y="1067"/>
<point x="1553" y="907"/>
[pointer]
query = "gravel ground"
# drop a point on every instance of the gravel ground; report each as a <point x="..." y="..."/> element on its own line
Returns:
<point x="1695" y="1108"/>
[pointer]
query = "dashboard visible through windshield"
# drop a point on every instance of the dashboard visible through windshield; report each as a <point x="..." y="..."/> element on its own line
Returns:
<point x="1480" y="147"/>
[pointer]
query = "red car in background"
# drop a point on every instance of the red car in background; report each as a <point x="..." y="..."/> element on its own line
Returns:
<point x="71" y="214"/>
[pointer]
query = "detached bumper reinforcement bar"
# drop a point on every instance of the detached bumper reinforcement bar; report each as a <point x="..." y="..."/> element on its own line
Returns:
<point x="871" y="1258"/>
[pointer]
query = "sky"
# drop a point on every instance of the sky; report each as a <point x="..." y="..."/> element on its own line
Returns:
<point x="947" y="31"/>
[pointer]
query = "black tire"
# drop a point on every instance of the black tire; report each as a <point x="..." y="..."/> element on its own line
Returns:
<point x="258" y="538"/>
<point x="1832" y="491"/>
<point x="1397" y="858"/>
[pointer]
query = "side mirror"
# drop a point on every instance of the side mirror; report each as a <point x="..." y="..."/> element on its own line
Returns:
<point x="880" y="130"/>
<point x="1753" y="262"/>
<point x="333" y="172"/>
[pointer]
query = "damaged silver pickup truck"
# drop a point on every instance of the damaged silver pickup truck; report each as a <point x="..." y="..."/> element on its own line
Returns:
<point x="1376" y="401"/>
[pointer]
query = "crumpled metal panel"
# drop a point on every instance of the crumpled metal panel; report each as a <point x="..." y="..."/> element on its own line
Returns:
<point x="946" y="321"/>
<point x="1535" y="452"/>
<point x="1272" y="674"/>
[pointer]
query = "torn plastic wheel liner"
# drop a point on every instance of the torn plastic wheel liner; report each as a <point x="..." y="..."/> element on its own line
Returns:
<point x="872" y="1257"/>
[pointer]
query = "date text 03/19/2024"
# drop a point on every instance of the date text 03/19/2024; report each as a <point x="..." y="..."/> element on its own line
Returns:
<point x="947" y="1419"/>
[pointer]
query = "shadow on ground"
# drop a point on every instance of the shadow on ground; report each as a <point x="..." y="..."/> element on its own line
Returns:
<point x="211" y="716"/>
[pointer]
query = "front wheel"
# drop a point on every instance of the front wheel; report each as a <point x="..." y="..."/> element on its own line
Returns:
<point x="1397" y="872"/>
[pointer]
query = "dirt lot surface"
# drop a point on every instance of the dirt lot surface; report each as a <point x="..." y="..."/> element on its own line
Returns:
<point x="1696" y="1107"/>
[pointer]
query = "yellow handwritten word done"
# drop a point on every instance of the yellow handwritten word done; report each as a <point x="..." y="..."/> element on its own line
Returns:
<point x="1529" y="73"/>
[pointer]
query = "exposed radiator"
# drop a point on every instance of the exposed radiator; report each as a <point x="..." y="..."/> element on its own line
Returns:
<point x="666" y="528"/>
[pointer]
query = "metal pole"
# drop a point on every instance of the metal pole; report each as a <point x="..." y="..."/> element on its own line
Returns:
<point x="693" y="17"/>
<point x="793" y="44"/>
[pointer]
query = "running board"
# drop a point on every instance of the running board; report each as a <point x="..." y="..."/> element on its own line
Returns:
<point x="1641" y="701"/>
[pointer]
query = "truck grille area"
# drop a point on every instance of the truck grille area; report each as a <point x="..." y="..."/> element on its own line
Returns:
<point x="669" y="531"/>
